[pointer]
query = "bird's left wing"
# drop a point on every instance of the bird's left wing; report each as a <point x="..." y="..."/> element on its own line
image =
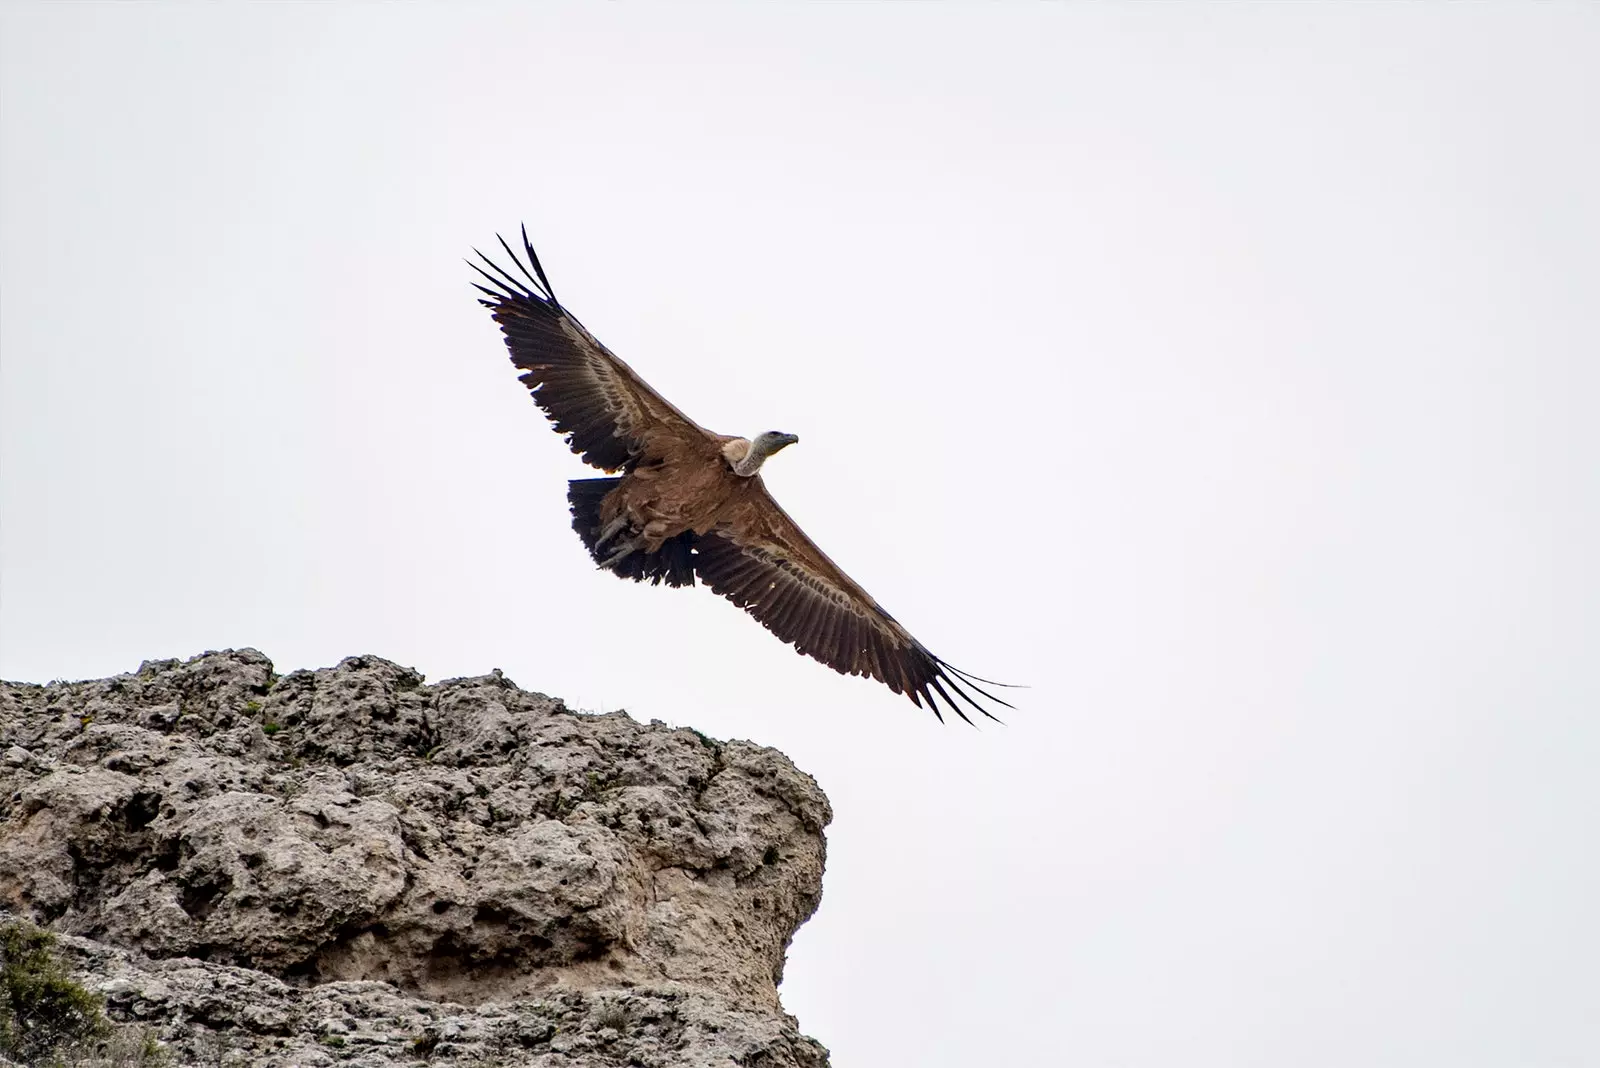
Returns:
<point x="608" y="413"/>
<point x="763" y="562"/>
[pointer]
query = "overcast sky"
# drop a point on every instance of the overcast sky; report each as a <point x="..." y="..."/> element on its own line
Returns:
<point x="1226" y="373"/>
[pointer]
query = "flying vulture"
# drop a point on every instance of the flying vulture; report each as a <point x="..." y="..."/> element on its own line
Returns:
<point x="691" y="504"/>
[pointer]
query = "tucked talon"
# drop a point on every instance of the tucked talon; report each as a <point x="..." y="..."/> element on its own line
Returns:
<point x="626" y="549"/>
<point x="612" y="529"/>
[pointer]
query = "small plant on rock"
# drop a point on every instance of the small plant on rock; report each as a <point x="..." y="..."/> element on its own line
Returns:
<point x="612" y="1015"/>
<point x="41" y="1008"/>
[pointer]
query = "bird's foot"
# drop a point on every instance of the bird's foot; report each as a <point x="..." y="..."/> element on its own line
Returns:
<point x="626" y="549"/>
<point x="611" y="530"/>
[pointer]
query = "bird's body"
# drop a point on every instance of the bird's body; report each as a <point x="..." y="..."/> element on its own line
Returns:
<point x="690" y="504"/>
<point x="686" y="486"/>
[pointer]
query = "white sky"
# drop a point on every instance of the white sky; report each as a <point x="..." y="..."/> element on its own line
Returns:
<point x="1227" y="373"/>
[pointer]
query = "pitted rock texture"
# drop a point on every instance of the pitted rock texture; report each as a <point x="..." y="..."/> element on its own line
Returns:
<point x="356" y="843"/>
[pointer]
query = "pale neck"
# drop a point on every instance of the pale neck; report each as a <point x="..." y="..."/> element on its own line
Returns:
<point x="754" y="457"/>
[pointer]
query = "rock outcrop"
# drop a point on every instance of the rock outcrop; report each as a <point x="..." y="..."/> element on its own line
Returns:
<point x="354" y="866"/>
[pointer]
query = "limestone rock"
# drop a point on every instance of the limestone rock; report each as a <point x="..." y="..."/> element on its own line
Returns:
<point x="351" y="865"/>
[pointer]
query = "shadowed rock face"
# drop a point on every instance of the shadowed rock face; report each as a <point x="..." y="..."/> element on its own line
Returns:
<point x="353" y="837"/>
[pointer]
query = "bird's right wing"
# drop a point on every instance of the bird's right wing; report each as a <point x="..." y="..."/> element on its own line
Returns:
<point x="607" y="412"/>
<point x="763" y="562"/>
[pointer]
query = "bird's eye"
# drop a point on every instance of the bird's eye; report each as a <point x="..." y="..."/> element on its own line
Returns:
<point x="773" y="434"/>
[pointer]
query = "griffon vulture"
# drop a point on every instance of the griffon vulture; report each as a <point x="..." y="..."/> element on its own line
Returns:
<point x="690" y="503"/>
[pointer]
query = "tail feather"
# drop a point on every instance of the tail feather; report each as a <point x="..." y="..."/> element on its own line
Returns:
<point x="672" y="563"/>
<point x="585" y="496"/>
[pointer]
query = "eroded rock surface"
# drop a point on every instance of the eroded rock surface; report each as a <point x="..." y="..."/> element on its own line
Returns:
<point x="353" y="865"/>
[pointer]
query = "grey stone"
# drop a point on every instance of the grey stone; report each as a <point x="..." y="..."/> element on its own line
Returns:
<point x="353" y="866"/>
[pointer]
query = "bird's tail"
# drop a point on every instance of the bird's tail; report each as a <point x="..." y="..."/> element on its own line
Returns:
<point x="672" y="563"/>
<point x="585" y="495"/>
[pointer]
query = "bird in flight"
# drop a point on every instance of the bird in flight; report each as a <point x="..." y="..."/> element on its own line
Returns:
<point x="690" y="504"/>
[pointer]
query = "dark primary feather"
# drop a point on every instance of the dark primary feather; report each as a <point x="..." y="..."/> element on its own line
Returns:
<point x="605" y="410"/>
<point x="541" y="284"/>
<point x="827" y="624"/>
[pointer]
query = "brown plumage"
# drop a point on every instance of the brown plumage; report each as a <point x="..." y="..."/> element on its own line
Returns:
<point x="690" y="504"/>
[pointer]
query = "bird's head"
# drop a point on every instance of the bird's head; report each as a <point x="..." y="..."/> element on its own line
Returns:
<point x="765" y="444"/>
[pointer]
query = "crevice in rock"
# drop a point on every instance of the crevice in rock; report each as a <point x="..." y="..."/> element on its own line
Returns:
<point x="200" y="896"/>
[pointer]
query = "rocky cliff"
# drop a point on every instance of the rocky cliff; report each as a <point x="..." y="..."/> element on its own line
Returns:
<point x="353" y="866"/>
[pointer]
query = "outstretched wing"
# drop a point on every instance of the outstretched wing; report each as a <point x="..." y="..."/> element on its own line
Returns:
<point x="608" y="413"/>
<point x="764" y="563"/>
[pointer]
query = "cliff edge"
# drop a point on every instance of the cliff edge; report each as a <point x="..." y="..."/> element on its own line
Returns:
<point x="352" y="866"/>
